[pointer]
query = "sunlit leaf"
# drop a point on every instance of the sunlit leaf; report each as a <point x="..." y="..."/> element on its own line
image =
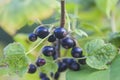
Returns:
<point x="15" y="60"/>
<point x="28" y="76"/>
<point x="50" y="66"/>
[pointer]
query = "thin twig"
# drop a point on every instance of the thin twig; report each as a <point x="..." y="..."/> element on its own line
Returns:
<point x="58" y="48"/>
<point x="62" y="22"/>
<point x="58" y="59"/>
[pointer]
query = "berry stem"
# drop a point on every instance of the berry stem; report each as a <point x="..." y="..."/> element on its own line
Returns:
<point x="41" y="41"/>
<point x="58" y="48"/>
<point x="58" y="59"/>
<point x="62" y="22"/>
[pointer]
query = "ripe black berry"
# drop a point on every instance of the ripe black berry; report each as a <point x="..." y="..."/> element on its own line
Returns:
<point x="51" y="38"/>
<point x="68" y="43"/>
<point x="42" y="75"/>
<point x="74" y="66"/>
<point x="42" y="32"/>
<point x="56" y="76"/>
<point x="32" y="68"/>
<point x="48" y="50"/>
<point x="51" y="74"/>
<point x="60" y="32"/>
<point x="54" y="56"/>
<point x="32" y="37"/>
<point x="82" y="61"/>
<point x="62" y="66"/>
<point x="40" y="62"/>
<point x="69" y="61"/>
<point x="45" y="78"/>
<point x="76" y="52"/>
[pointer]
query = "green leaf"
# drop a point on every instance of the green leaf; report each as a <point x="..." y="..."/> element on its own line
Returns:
<point x="17" y="13"/>
<point x="114" y="38"/>
<point x="80" y="33"/>
<point x="14" y="49"/>
<point x="93" y="45"/>
<point x="91" y="28"/>
<point x="50" y="66"/>
<point x="23" y="39"/>
<point x="15" y="59"/>
<point x="115" y="69"/>
<point x="106" y="6"/>
<point x="28" y="76"/>
<point x="99" y="53"/>
<point x="87" y="73"/>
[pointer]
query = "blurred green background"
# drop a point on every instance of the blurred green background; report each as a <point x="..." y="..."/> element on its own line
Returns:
<point x="95" y="18"/>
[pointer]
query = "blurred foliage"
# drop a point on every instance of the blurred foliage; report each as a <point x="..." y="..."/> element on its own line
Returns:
<point x="16" y="13"/>
<point x="106" y="6"/>
<point x="114" y="38"/>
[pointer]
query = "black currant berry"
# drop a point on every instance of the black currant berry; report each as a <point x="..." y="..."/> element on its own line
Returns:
<point x="32" y="37"/>
<point x="76" y="52"/>
<point x="60" y="32"/>
<point x="51" y="38"/>
<point x="56" y="76"/>
<point x="32" y="68"/>
<point x="45" y="78"/>
<point x="48" y="50"/>
<point x="69" y="61"/>
<point x="74" y="66"/>
<point x="42" y="75"/>
<point x="42" y="32"/>
<point x="54" y="56"/>
<point x="62" y="66"/>
<point x="51" y="74"/>
<point x="40" y="62"/>
<point x="82" y="61"/>
<point x="68" y="43"/>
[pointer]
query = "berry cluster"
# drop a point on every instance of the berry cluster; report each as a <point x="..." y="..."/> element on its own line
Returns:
<point x="66" y="42"/>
